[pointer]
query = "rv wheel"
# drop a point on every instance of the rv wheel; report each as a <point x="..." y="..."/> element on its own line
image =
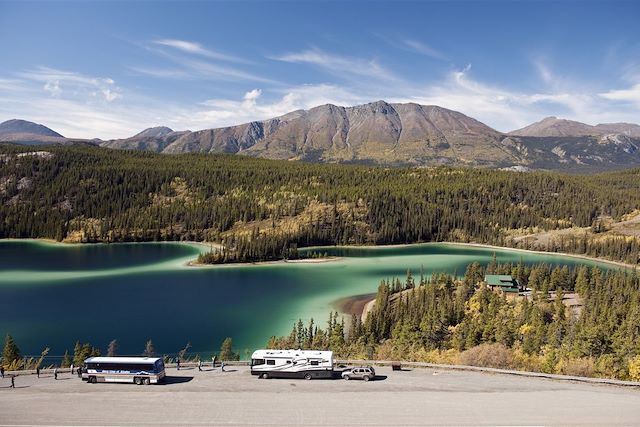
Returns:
<point x="92" y="380"/>
<point x="137" y="381"/>
<point x="307" y="376"/>
<point x="146" y="381"/>
<point x="265" y="376"/>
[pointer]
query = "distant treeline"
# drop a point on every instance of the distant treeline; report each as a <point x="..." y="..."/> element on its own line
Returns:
<point x="262" y="209"/>
<point x="446" y="320"/>
<point x="12" y="359"/>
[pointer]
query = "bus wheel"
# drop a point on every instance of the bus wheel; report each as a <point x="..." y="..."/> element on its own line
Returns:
<point x="137" y="380"/>
<point x="307" y="376"/>
<point x="92" y="380"/>
<point x="265" y="376"/>
<point x="146" y="381"/>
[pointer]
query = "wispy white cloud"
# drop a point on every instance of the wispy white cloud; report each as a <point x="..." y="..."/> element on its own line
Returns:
<point x="423" y="48"/>
<point x="544" y="72"/>
<point x="213" y="71"/>
<point x="11" y="84"/>
<point x="506" y="109"/>
<point x="58" y="81"/>
<point x="197" y="49"/>
<point x="53" y="87"/>
<point x="170" y="73"/>
<point x="630" y="95"/>
<point x="80" y="105"/>
<point x="340" y="65"/>
<point x="191" y="61"/>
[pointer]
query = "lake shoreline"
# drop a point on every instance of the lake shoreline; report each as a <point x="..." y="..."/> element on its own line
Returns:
<point x="353" y="305"/>
<point x="51" y="275"/>
<point x="197" y="264"/>
<point x="356" y="305"/>
<point x="209" y="245"/>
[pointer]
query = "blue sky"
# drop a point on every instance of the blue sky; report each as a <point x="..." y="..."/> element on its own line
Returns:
<point x="111" y="69"/>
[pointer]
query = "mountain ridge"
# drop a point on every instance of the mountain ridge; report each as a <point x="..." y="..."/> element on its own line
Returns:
<point x="19" y="126"/>
<point x="553" y="126"/>
<point x="400" y="134"/>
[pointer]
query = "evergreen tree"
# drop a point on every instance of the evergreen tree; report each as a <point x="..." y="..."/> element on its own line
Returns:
<point x="149" y="349"/>
<point x="66" y="360"/>
<point x="10" y="352"/>
<point x="226" y="350"/>
<point x="112" y="348"/>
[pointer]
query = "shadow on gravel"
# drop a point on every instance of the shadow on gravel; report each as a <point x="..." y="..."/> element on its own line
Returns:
<point x="169" y="380"/>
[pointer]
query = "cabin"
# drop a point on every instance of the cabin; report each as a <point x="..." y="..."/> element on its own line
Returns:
<point x="502" y="283"/>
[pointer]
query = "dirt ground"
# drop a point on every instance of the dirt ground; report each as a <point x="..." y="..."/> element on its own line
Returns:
<point x="411" y="397"/>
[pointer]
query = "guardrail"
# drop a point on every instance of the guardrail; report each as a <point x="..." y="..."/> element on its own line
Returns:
<point x="493" y="371"/>
<point x="557" y="377"/>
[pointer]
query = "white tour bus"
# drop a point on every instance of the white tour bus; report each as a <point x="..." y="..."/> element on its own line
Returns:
<point x="305" y="364"/>
<point x="137" y="370"/>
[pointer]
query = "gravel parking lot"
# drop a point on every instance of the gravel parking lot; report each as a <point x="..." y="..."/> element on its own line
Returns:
<point x="410" y="397"/>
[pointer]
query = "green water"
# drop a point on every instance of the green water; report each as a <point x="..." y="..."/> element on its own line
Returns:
<point x="52" y="295"/>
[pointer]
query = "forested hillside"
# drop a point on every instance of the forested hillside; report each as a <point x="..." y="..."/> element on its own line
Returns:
<point x="267" y="208"/>
<point x="444" y="319"/>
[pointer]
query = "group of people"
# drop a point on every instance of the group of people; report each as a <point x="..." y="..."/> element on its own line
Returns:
<point x="55" y="374"/>
<point x="13" y="377"/>
<point x="79" y="370"/>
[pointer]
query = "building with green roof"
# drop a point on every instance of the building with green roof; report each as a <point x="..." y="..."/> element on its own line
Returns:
<point x="502" y="282"/>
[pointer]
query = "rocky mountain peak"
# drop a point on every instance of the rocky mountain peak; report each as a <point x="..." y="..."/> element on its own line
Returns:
<point x="154" y="132"/>
<point x="17" y="126"/>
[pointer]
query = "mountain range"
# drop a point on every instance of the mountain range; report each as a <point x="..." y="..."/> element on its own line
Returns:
<point x="385" y="133"/>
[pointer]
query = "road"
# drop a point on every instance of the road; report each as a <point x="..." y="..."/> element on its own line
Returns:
<point x="412" y="397"/>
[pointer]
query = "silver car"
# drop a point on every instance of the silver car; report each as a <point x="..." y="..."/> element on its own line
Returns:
<point x="360" y="373"/>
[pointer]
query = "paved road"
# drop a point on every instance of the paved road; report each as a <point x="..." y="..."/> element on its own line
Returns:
<point x="416" y="397"/>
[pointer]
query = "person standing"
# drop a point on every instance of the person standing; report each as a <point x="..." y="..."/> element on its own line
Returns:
<point x="178" y="363"/>
<point x="80" y="372"/>
<point x="200" y="365"/>
<point x="222" y="366"/>
<point x="72" y="369"/>
<point x="38" y="371"/>
<point x="13" y="381"/>
<point x="2" y="371"/>
<point x="55" y="373"/>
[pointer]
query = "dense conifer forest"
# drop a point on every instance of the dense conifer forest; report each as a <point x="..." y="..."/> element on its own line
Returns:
<point x="444" y="319"/>
<point x="261" y="209"/>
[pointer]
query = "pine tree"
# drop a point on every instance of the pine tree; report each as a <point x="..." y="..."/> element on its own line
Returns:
<point x="226" y="350"/>
<point x="11" y="352"/>
<point x="78" y="356"/>
<point x="66" y="360"/>
<point x="149" y="349"/>
<point x="112" y="348"/>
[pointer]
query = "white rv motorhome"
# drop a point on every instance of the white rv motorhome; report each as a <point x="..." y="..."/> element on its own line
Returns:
<point x="305" y="364"/>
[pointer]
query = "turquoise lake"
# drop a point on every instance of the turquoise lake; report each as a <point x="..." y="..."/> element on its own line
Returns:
<point x="52" y="294"/>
